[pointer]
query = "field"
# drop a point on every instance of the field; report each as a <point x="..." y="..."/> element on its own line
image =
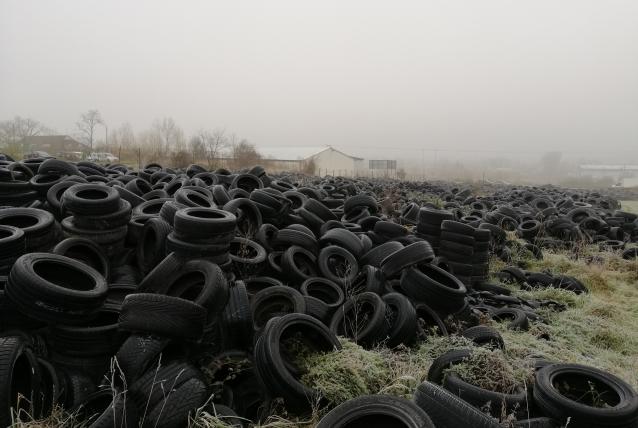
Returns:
<point x="596" y="328"/>
<point x="631" y="206"/>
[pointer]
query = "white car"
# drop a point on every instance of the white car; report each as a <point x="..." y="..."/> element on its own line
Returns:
<point x="102" y="157"/>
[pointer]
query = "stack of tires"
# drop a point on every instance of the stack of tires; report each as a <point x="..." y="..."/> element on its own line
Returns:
<point x="429" y="225"/>
<point x="202" y="232"/>
<point x="98" y="214"/>
<point x="457" y="246"/>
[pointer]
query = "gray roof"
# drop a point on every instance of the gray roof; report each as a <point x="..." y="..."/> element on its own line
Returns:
<point x="297" y="152"/>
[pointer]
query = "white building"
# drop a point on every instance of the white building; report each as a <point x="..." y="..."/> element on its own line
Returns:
<point x="327" y="160"/>
<point x="623" y="175"/>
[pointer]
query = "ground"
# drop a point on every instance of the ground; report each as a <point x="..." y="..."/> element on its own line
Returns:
<point x="599" y="329"/>
<point x="631" y="206"/>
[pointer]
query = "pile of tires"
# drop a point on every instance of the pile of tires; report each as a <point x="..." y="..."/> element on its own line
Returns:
<point x="119" y="285"/>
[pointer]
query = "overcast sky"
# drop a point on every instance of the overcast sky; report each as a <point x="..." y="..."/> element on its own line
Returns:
<point x="476" y="74"/>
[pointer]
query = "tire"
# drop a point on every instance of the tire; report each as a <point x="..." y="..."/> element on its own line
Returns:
<point x="257" y="283"/>
<point x="85" y="251"/>
<point x="19" y="375"/>
<point x="249" y="218"/>
<point x="288" y="237"/>
<point x="517" y="318"/>
<point x="100" y="338"/>
<point x="323" y="289"/>
<point x="151" y="248"/>
<point x="389" y="229"/>
<point x="236" y="320"/>
<point x="483" y="335"/>
<point x="480" y="397"/>
<point x="129" y="196"/>
<point x="457" y="227"/>
<point x="12" y="243"/>
<point x="226" y="415"/>
<point x="119" y="412"/>
<point x="377" y="411"/>
<point x="193" y="198"/>
<point x="154" y="386"/>
<point x="620" y="411"/>
<point x="136" y="355"/>
<point x="338" y="265"/>
<point x="343" y="238"/>
<point x="274" y="302"/>
<point x="414" y="254"/>
<point x="278" y="374"/>
<point x="376" y="255"/>
<point x="298" y="264"/>
<point x="369" y="279"/>
<point x="113" y="220"/>
<point x="90" y="199"/>
<point x="319" y="209"/>
<point x="457" y="238"/>
<point x="196" y="222"/>
<point x="164" y="316"/>
<point x="99" y="236"/>
<point x="427" y="319"/>
<point x="37" y="225"/>
<point x="57" y="166"/>
<point x="436" y="373"/>
<point x="247" y="256"/>
<point x="55" y="289"/>
<point x="358" y="201"/>
<point x="201" y="282"/>
<point x="175" y="410"/>
<point x="138" y="186"/>
<point x="440" y="289"/>
<point x="401" y="319"/>
<point x="448" y="411"/>
<point x="537" y="423"/>
<point x="372" y="310"/>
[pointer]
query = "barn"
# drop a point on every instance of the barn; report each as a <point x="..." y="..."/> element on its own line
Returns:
<point x="316" y="160"/>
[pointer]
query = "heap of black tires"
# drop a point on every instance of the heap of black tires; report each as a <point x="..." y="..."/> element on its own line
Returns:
<point x="119" y="285"/>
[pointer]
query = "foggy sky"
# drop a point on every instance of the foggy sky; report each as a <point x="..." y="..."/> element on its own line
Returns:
<point x="475" y="75"/>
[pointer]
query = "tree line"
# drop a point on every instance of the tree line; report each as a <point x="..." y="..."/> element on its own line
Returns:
<point x="163" y="141"/>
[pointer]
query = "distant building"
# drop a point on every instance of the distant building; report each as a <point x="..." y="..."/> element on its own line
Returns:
<point x="623" y="175"/>
<point x="52" y="144"/>
<point x="324" y="160"/>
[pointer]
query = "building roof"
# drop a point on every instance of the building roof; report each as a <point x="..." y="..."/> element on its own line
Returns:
<point x="297" y="152"/>
<point x="591" y="167"/>
<point x="49" y="139"/>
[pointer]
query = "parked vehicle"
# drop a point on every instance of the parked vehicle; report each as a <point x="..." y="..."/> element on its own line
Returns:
<point x="70" y="156"/>
<point x="102" y="157"/>
<point x="36" y="154"/>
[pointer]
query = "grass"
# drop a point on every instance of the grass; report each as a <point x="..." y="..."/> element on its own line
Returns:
<point x="631" y="206"/>
<point x="598" y="329"/>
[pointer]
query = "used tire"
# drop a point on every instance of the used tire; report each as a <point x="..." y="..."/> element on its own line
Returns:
<point x="586" y="396"/>
<point x="377" y="411"/>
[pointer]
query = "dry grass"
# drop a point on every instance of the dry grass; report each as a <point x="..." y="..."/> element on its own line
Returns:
<point x="598" y="329"/>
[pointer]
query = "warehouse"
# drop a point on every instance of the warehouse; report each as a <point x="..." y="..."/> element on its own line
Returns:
<point x="314" y="160"/>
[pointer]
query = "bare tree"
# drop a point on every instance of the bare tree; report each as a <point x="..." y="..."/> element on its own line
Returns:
<point x="169" y="135"/>
<point x="14" y="130"/>
<point x="245" y="154"/>
<point x="88" y="122"/>
<point x="210" y="144"/>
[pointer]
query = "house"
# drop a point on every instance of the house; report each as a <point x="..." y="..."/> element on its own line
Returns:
<point x="52" y="144"/>
<point x="322" y="160"/>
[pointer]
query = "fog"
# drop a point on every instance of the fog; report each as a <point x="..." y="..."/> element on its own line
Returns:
<point x="406" y="80"/>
